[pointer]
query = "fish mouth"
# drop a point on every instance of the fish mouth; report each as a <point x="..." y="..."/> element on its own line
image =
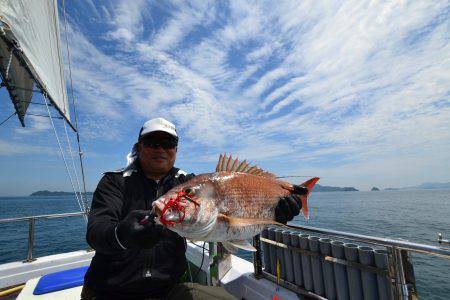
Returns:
<point x="165" y="216"/>
<point x="158" y="208"/>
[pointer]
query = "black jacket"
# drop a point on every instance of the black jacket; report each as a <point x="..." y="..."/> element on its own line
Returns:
<point x="133" y="273"/>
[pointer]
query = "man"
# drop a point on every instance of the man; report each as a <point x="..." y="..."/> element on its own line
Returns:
<point x="144" y="260"/>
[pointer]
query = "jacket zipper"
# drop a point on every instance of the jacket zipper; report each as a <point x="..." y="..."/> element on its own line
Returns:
<point x="150" y="257"/>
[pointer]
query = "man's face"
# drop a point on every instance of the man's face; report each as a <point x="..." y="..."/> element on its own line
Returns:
<point x="157" y="153"/>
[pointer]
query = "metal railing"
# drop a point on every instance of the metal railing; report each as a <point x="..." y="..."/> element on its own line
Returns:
<point x="399" y="267"/>
<point x="31" y="226"/>
<point x="386" y="242"/>
<point x="441" y="239"/>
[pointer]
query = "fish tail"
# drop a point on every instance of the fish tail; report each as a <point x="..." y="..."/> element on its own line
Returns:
<point x="309" y="184"/>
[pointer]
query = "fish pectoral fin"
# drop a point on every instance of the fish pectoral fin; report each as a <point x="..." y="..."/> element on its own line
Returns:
<point x="236" y="221"/>
<point x="233" y="246"/>
<point x="230" y="248"/>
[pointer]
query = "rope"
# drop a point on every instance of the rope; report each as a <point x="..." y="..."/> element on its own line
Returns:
<point x="80" y="153"/>
<point x="45" y="116"/>
<point x="10" y="86"/>
<point x="69" y="146"/>
<point x="7" y="118"/>
<point x="64" y="158"/>
<point x="201" y="264"/>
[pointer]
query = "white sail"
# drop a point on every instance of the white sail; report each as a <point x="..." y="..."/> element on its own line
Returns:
<point x="31" y="28"/>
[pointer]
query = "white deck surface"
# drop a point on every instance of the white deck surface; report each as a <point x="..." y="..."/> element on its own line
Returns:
<point x="239" y="280"/>
<point x="20" y="272"/>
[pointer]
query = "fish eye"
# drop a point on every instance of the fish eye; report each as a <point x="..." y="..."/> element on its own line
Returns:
<point x="189" y="191"/>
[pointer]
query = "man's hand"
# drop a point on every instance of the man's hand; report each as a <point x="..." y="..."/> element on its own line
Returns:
<point x="183" y="178"/>
<point x="289" y="206"/>
<point x="132" y="233"/>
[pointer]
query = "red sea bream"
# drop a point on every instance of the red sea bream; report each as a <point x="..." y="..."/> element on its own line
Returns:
<point x="230" y="206"/>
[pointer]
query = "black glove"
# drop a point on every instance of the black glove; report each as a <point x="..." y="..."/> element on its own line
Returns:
<point x="183" y="178"/>
<point x="289" y="206"/>
<point x="132" y="233"/>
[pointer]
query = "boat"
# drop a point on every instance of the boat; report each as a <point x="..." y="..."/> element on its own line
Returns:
<point x="290" y="263"/>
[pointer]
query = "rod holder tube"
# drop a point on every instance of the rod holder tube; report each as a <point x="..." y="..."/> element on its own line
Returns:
<point x="354" y="275"/>
<point x="286" y="238"/>
<point x="327" y="269"/>
<point x="280" y="253"/>
<point x="273" y="252"/>
<point x="306" y="263"/>
<point x="257" y="263"/>
<point x="340" y="271"/>
<point x="297" y="260"/>
<point x="316" y="267"/>
<point x="369" y="280"/>
<point x="266" y="251"/>
<point x="384" y="283"/>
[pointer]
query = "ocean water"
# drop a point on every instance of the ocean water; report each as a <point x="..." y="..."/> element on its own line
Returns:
<point x="413" y="215"/>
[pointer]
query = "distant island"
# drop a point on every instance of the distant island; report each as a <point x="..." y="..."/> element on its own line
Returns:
<point x="317" y="188"/>
<point x="323" y="188"/>
<point x="423" y="186"/>
<point x="48" y="193"/>
<point x="429" y="186"/>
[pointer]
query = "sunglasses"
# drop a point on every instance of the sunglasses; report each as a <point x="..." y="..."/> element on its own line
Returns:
<point x="155" y="143"/>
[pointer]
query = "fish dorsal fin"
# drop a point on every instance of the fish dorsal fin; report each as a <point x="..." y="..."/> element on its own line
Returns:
<point x="226" y="163"/>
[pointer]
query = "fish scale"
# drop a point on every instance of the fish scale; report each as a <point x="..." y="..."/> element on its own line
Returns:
<point x="247" y="195"/>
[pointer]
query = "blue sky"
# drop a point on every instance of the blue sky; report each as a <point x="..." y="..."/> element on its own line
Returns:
<point x="354" y="92"/>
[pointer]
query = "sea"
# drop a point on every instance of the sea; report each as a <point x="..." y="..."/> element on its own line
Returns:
<point x="417" y="216"/>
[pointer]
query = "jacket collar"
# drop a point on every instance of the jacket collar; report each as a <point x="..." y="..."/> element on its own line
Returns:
<point x="135" y="167"/>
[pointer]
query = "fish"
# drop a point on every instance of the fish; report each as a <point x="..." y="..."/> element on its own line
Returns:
<point x="230" y="205"/>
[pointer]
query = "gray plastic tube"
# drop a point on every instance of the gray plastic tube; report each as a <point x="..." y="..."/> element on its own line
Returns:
<point x="273" y="252"/>
<point x="353" y="274"/>
<point x="327" y="269"/>
<point x="280" y="253"/>
<point x="316" y="267"/>
<point x="369" y="279"/>
<point x="306" y="263"/>
<point x="266" y="251"/>
<point x="288" y="257"/>
<point x="297" y="260"/>
<point x="384" y="284"/>
<point x="340" y="271"/>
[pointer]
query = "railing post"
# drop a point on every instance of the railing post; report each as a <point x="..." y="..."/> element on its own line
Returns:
<point x="257" y="263"/>
<point x="30" y="240"/>
<point x="213" y="277"/>
<point x="408" y="270"/>
<point x="397" y="274"/>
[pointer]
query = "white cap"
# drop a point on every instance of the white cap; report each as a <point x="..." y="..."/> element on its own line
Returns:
<point x="158" y="124"/>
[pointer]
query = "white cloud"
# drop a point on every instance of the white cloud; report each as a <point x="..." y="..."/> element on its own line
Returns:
<point x="184" y="19"/>
<point x="8" y="148"/>
<point x="344" y="82"/>
<point x="34" y="124"/>
<point x="127" y="19"/>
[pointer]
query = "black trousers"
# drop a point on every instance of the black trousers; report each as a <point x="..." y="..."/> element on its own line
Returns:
<point x="180" y="291"/>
